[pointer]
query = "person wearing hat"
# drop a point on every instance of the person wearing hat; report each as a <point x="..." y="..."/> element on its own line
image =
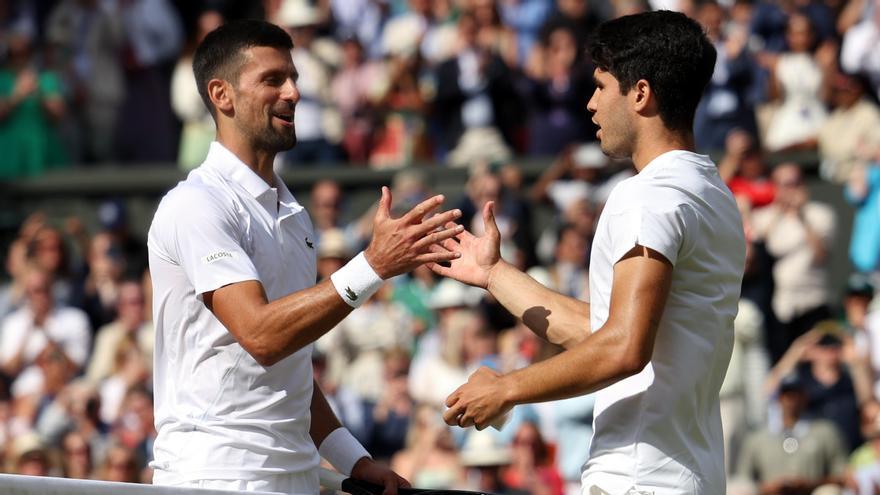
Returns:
<point x="795" y="456"/>
<point x="235" y="303"/>
<point x="29" y="456"/>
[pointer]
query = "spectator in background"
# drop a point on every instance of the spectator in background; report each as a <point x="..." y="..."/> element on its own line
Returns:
<point x="12" y="292"/>
<point x="797" y="78"/>
<point x="27" y="332"/>
<point x="744" y="169"/>
<point x="106" y="267"/>
<point x="120" y="465"/>
<point x="817" y="361"/>
<point x="526" y="18"/>
<point x="726" y="105"/>
<point x="30" y="457"/>
<point x="475" y="105"/>
<point x="580" y="16"/>
<point x="860" y="320"/>
<point x="399" y="105"/>
<point x="390" y="416"/>
<point x="859" y="52"/>
<point x="354" y="88"/>
<point x="31" y="107"/>
<point x="743" y="401"/>
<point x="47" y="250"/>
<point x="493" y="34"/>
<point x="153" y="40"/>
<point x="864" y="463"/>
<point x="560" y="83"/>
<point x="580" y="172"/>
<point x="317" y="121"/>
<point x="532" y="468"/>
<point x="76" y="456"/>
<point x="362" y="20"/>
<point x="853" y="126"/>
<point x="430" y="459"/>
<point x="568" y="274"/>
<point x="795" y="456"/>
<point x="799" y="234"/>
<point x="130" y="327"/>
<point x="198" y="126"/>
<point x="863" y="193"/>
<point x="87" y="38"/>
<point x="485" y="458"/>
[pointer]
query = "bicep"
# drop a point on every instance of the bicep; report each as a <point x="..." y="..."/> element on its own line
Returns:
<point x="236" y="305"/>
<point x="641" y="283"/>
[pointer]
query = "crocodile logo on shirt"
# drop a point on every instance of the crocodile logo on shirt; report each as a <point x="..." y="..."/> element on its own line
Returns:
<point x="350" y="294"/>
<point x="309" y="243"/>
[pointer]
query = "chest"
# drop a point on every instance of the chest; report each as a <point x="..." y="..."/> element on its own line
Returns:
<point x="282" y="249"/>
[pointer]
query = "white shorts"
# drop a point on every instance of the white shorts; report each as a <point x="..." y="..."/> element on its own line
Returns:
<point x="604" y="484"/>
<point x="281" y="484"/>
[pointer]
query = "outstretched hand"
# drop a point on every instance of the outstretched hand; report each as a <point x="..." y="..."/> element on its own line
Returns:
<point x="401" y="244"/>
<point x="479" y="255"/>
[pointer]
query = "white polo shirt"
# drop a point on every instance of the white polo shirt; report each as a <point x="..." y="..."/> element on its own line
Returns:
<point x="220" y="414"/>
<point x="659" y="431"/>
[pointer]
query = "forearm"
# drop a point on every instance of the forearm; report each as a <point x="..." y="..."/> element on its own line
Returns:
<point x="290" y="323"/>
<point x="559" y="319"/>
<point x="324" y="420"/>
<point x="601" y="359"/>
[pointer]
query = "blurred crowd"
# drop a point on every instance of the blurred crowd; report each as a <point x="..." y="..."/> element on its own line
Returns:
<point x="387" y="83"/>
<point x="474" y="84"/>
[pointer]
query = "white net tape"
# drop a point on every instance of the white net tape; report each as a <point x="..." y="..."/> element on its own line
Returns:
<point x="11" y="484"/>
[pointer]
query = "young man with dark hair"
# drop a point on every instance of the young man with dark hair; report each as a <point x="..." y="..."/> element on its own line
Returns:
<point x="236" y="306"/>
<point x="665" y="273"/>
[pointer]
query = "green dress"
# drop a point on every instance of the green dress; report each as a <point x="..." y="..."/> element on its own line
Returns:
<point x="29" y="142"/>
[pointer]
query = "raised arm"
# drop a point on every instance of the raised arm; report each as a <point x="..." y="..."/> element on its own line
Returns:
<point x="559" y="319"/>
<point x="622" y="347"/>
<point x="271" y="331"/>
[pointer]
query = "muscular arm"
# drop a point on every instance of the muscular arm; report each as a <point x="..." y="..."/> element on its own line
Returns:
<point x="622" y="347"/>
<point x="271" y="331"/>
<point x="559" y="319"/>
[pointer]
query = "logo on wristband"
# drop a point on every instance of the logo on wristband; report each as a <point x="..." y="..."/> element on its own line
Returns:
<point x="350" y="294"/>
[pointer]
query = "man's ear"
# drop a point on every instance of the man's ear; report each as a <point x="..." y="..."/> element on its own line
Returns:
<point x="642" y="96"/>
<point x="221" y="95"/>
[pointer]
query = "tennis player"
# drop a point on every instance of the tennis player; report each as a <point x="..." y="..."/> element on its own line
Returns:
<point x="665" y="272"/>
<point x="236" y="308"/>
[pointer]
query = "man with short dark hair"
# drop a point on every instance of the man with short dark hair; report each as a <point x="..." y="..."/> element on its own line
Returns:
<point x="236" y="307"/>
<point x="665" y="273"/>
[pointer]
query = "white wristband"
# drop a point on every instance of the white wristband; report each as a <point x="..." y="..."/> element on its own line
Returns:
<point x="356" y="281"/>
<point x="342" y="450"/>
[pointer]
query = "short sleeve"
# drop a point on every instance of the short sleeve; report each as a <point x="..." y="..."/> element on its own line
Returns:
<point x="205" y="239"/>
<point x="662" y="231"/>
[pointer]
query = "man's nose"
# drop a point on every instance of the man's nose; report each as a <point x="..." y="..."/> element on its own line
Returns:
<point x="290" y="92"/>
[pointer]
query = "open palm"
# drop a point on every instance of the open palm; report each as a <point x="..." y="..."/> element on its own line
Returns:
<point x="479" y="255"/>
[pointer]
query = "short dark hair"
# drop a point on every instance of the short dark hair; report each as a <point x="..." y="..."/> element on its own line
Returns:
<point x="220" y="55"/>
<point x="667" y="49"/>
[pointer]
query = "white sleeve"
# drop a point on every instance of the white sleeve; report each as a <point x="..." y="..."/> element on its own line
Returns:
<point x="663" y="231"/>
<point x="205" y="238"/>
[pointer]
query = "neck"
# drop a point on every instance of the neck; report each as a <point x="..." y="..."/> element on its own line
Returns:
<point x="661" y="140"/>
<point x="259" y="161"/>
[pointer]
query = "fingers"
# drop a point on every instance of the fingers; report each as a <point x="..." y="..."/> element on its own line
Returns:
<point x="439" y="220"/>
<point x="489" y="219"/>
<point x="437" y="257"/>
<point x="418" y="213"/>
<point x="451" y="415"/>
<point x="437" y="237"/>
<point x="384" y="210"/>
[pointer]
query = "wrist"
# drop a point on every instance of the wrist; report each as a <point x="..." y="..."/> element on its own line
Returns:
<point x="342" y="450"/>
<point x="356" y="281"/>
<point x="493" y="274"/>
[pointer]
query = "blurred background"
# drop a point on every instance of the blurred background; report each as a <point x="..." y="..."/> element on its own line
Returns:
<point x="482" y="100"/>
